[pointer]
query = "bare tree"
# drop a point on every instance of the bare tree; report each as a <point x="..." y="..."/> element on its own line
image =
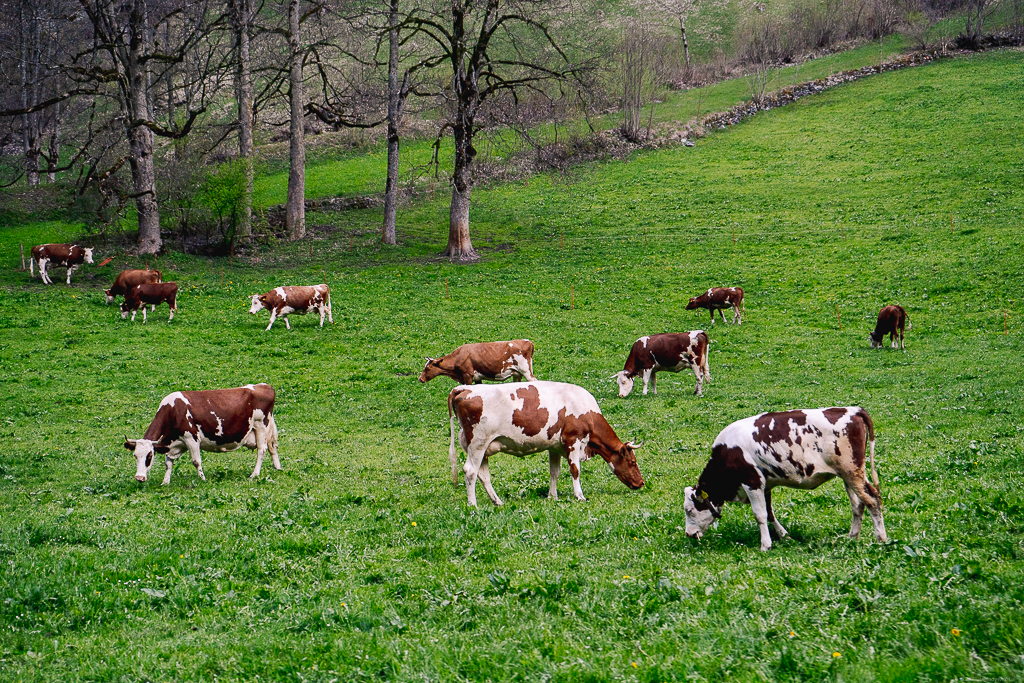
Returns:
<point x="242" y="18"/>
<point x="295" y="210"/>
<point x="492" y="46"/>
<point x="396" y="101"/>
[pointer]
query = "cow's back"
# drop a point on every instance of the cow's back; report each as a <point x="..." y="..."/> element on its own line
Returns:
<point x="536" y="410"/>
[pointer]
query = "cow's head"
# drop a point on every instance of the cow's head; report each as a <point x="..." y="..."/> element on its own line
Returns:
<point x="144" y="450"/>
<point x="876" y="342"/>
<point x="431" y="370"/>
<point x="625" y="383"/>
<point x="700" y="512"/>
<point x="110" y="297"/>
<point x="88" y="255"/>
<point x="692" y="306"/>
<point x="258" y="303"/>
<point x="623" y="463"/>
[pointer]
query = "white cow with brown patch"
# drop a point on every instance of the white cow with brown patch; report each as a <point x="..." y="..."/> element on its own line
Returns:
<point x="671" y="352"/>
<point x="70" y="256"/>
<point x="283" y="301"/>
<point x="496" y="361"/>
<point x="797" y="448"/>
<point x="529" y="417"/>
<point x="218" y="420"/>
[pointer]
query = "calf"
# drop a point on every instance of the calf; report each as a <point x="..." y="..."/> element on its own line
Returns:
<point x="530" y="417"/>
<point x="671" y="352"/>
<point x="891" y="321"/>
<point x="150" y="294"/>
<point x="797" y="448"/>
<point x="127" y="279"/>
<point x="218" y="420"/>
<point x="282" y="301"/>
<point x="471" y="363"/>
<point x="717" y="299"/>
<point x="70" y="256"/>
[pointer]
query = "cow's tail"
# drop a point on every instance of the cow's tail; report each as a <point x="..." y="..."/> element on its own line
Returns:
<point x="453" y="455"/>
<point x="871" y="444"/>
<point x="910" y="325"/>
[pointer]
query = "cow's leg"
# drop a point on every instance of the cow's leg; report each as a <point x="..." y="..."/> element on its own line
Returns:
<point x="575" y="457"/>
<point x="648" y="373"/>
<point x="169" y="464"/>
<point x="133" y="314"/>
<point x="779" y="529"/>
<point x="323" y="311"/>
<point x="272" y="443"/>
<point x="857" y="509"/>
<point x="721" y="312"/>
<point x="706" y="367"/>
<point x="471" y="468"/>
<point x="869" y="495"/>
<point x="654" y="382"/>
<point x="260" y="432"/>
<point x="273" y="317"/>
<point x="193" y="450"/>
<point x="485" y="479"/>
<point x="42" y="271"/>
<point x="172" y="314"/>
<point x="712" y="314"/>
<point x="737" y="319"/>
<point x="71" y="271"/>
<point x="555" y="461"/>
<point x="143" y="314"/>
<point x="760" y="508"/>
<point x="286" y="323"/>
<point x="699" y="372"/>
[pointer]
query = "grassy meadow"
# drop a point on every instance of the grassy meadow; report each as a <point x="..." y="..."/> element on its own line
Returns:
<point x="360" y="561"/>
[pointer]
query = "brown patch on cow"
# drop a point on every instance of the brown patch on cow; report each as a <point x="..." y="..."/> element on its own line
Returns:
<point x="856" y="432"/>
<point x="470" y="410"/>
<point x="559" y="423"/>
<point x="531" y="418"/>
<point x="487" y="359"/>
<point x="722" y="477"/>
<point x="766" y="434"/>
<point x="575" y="470"/>
<point x="833" y="415"/>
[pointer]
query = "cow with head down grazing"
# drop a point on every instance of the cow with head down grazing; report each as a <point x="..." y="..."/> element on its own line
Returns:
<point x="529" y="417"/>
<point x="718" y="299"/>
<point x="127" y="279"/>
<point x="891" y="321"/>
<point x="496" y="361"/>
<point x="217" y="420"/>
<point x="797" y="448"/>
<point x="70" y="256"/>
<point x="671" y="352"/>
<point x="282" y="301"/>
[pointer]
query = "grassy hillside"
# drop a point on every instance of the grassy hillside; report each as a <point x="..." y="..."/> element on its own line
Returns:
<point x="360" y="560"/>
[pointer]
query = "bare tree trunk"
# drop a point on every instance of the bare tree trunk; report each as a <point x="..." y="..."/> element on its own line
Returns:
<point x="394" y="114"/>
<point x="459" y="245"/>
<point x="244" y="93"/>
<point x="295" y="211"/>
<point x="140" y="137"/>
<point x="686" y="46"/>
<point x="31" y="56"/>
<point x="53" y="157"/>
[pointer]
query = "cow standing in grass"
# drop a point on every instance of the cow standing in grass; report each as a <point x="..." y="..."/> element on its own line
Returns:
<point x="150" y="294"/>
<point x="718" y="299"/>
<point x="496" y="361"/>
<point x="282" y="301"/>
<point x="797" y="448"/>
<point x="127" y="279"/>
<point x="218" y="420"/>
<point x="529" y="417"/>
<point x="671" y="352"/>
<point x="70" y="256"/>
<point x="891" y="321"/>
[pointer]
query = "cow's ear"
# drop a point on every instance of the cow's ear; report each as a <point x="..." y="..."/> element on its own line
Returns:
<point x="129" y="444"/>
<point x="161" y="449"/>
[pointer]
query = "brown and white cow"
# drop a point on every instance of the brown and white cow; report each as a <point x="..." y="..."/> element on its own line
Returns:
<point x="529" y="417"/>
<point x="70" y="256"/>
<point x="670" y="351"/>
<point x="127" y="279"/>
<point x="797" y="448"/>
<point x="718" y="299"/>
<point x="218" y="420"/>
<point x="471" y="363"/>
<point x="282" y="301"/>
<point x="891" y="321"/>
<point x="150" y="294"/>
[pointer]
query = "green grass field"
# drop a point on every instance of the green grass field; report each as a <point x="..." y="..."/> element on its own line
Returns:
<point x="360" y="561"/>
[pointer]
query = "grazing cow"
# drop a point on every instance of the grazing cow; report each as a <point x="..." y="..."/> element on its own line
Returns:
<point x="672" y="352"/>
<point x="127" y="279"/>
<point x="471" y="363"/>
<point x="151" y="294"/>
<point x="218" y="420"/>
<point x="70" y="256"/>
<point x="717" y="299"/>
<point x="891" y="321"/>
<point x="528" y="417"/>
<point x="281" y="301"/>
<point x="797" y="448"/>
